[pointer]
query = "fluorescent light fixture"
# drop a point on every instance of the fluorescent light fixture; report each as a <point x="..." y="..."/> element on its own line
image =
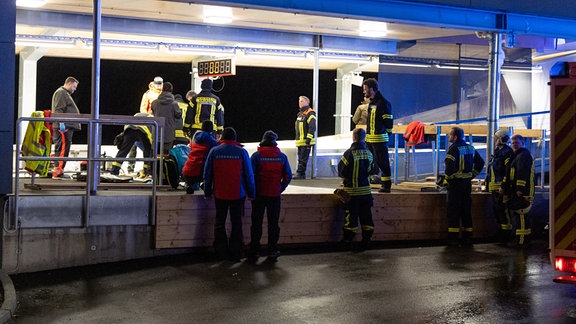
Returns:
<point x="345" y="57"/>
<point x="374" y="29"/>
<point x="30" y="3"/>
<point x="125" y="45"/>
<point x="217" y="15"/>
<point x="533" y="69"/>
<point x="190" y="49"/>
<point x="419" y="65"/>
<point x="462" y="67"/>
<point x="275" y="53"/>
<point x="45" y="41"/>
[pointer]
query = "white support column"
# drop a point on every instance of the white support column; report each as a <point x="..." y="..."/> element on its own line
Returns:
<point x="343" y="116"/>
<point x="28" y="67"/>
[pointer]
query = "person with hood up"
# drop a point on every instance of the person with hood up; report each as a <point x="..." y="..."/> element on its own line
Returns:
<point x="272" y="174"/>
<point x="167" y="107"/>
<point x="201" y="143"/>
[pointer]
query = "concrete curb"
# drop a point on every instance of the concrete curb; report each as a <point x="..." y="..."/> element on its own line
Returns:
<point x="9" y="305"/>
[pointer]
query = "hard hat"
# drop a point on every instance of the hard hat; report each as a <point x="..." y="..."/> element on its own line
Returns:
<point x="503" y="134"/>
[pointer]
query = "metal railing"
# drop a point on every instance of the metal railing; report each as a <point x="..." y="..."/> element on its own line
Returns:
<point x="436" y="147"/>
<point x="93" y="162"/>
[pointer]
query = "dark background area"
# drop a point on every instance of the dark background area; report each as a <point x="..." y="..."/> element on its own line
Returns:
<point x="255" y="99"/>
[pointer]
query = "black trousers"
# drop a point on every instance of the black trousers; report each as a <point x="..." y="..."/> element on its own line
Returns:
<point x="270" y="205"/>
<point x="228" y="248"/>
<point x="459" y="207"/>
<point x="381" y="159"/>
<point x="62" y="144"/>
<point x="303" y="156"/>
<point x="359" y="208"/>
<point x="502" y="216"/>
<point x="131" y="136"/>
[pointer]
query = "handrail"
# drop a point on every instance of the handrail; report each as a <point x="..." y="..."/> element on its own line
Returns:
<point x="156" y="122"/>
<point x="442" y="128"/>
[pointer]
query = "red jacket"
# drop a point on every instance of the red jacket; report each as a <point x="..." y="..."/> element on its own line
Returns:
<point x="272" y="172"/>
<point x="200" y="145"/>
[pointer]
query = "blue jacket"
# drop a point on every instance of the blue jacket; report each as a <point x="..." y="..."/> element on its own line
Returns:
<point x="228" y="172"/>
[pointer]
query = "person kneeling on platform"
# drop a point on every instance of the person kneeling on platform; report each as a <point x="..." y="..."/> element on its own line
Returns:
<point x="355" y="167"/>
<point x="133" y="134"/>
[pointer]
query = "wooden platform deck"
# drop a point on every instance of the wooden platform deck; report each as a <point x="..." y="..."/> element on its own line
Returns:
<point x="311" y="213"/>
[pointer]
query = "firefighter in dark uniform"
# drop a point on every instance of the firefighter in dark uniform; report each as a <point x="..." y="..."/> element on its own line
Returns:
<point x="462" y="164"/>
<point x="354" y="167"/>
<point x="494" y="175"/>
<point x="204" y="106"/>
<point x="305" y="134"/>
<point x="518" y="190"/>
<point x="379" y="130"/>
<point x="132" y="134"/>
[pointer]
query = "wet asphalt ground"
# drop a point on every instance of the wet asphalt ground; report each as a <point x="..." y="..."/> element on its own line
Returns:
<point x="391" y="283"/>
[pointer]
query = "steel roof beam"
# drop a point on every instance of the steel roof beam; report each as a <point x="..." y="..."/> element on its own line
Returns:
<point x="214" y="33"/>
<point x="417" y="13"/>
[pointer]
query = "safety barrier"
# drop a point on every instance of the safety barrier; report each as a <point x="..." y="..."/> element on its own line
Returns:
<point x="470" y="130"/>
<point x="93" y="160"/>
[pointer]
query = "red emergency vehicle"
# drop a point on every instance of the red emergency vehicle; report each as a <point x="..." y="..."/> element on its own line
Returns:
<point x="563" y="170"/>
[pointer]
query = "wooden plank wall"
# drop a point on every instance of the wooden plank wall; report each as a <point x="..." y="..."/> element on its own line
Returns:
<point x="187" y="220"/>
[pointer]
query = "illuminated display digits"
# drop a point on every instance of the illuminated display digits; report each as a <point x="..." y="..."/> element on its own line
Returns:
<point x="221" y="67"/>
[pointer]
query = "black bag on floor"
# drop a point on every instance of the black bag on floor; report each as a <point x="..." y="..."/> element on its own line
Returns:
<point x="169" y="169"/>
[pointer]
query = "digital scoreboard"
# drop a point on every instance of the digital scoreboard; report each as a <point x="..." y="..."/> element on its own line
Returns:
<point x="220" y="67"/>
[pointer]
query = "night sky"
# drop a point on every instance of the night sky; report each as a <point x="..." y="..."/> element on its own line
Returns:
<point x="255" y="99"/>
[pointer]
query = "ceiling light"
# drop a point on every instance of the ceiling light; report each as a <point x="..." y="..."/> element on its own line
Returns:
<point x="125" y="45"/>
<point x="373" y="29"/>
<point x="345" y="57"/>
<point x="45" y="41"/>
<point x="190" y="49"/>
<point x="420" y="65"/>
<point x="275" y="53"/>
<point x="30" y="3"/>
<point x="217" y="15"/>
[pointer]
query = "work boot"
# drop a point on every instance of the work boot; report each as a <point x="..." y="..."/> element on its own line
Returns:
<point x="386" y="185"/>
<point x="452" y="239"/>
<point x="466" y="240"/>
<point x="273" y="257"/>
<point x="57" y="173"/>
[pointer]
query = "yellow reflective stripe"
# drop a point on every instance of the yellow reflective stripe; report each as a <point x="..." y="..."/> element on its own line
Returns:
<point x="450" y="157"/>
<point x="358" y="191"/>
<point x="453" y="230"/>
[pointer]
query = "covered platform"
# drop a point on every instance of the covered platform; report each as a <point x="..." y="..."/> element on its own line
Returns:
<point x="52" y="231"/>
<point x="53" y="224"/>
